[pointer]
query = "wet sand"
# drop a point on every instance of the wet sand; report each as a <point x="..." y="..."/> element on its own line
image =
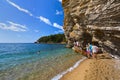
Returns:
<point x="102" y="68"/>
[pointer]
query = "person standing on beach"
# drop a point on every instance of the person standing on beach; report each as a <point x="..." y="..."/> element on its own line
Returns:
<point x="75" y="44"/>
<point x="90" y="48"/>
<point x="87" y="51"/>
<point x="94" y="51"/>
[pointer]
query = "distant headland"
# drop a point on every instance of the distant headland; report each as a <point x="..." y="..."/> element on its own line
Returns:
<point x="56" y="38"/>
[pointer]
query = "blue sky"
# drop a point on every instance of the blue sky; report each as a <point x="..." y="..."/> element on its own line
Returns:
<point x="24" y="21"/>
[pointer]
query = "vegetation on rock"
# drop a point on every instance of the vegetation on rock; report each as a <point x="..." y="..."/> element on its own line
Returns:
<point x="57" y="38"/>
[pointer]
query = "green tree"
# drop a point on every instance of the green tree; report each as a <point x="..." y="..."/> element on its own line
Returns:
<point x="57" y="38"/>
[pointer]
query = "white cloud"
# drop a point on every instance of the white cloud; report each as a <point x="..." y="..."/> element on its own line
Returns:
<point x="45" y="20"/>
<point x="60" y="1"/>
<point x="15" y="24"/>
<point x="58" y="12"/>
<point x="19" y="8"/>
<point x="13" y="27"/>
<point x="57" y="26"/>
<point x="18" y="27"/>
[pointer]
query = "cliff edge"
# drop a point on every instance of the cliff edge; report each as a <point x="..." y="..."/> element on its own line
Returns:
<point x="93" y="20"/>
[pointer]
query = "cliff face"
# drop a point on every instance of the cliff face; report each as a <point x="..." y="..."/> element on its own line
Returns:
<point x="93" y="20"/>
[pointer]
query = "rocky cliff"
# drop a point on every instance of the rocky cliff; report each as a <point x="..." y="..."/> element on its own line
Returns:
<point x="93" y="20"/>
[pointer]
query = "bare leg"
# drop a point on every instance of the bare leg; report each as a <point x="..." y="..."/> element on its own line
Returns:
<point x="88" y="55"/>
<point x="94" y="55"/>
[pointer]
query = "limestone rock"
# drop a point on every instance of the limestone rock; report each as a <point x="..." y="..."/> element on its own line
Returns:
<point x="99" y="18"/>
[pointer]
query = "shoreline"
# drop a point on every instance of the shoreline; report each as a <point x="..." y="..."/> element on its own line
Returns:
<point x="60" y="75"/>
<point x="103" y="68"/>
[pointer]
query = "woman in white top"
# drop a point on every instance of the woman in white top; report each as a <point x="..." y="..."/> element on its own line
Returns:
<point x="94" y="51"/>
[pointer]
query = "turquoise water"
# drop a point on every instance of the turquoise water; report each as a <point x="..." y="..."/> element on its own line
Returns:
<point x="34" y="61"/>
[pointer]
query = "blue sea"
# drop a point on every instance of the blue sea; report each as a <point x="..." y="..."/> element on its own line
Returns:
<point x="29" y="61"/>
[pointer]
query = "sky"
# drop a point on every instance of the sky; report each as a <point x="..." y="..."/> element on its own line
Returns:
<point x="25" y="21"/>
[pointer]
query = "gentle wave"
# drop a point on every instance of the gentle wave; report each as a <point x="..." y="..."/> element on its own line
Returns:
<point x="60" y="75"/>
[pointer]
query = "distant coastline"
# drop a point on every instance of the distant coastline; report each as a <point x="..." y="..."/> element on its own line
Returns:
<point x="50" y="43"/>
<point x="52" y="39"/>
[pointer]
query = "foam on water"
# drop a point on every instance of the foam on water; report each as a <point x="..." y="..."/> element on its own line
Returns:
<point x="60" y="75"/>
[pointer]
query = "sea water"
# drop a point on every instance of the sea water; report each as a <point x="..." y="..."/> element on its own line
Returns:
<point x="29" y="61"/>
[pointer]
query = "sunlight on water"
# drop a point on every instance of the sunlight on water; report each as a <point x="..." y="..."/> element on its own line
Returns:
<point x="34" y="61"/>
